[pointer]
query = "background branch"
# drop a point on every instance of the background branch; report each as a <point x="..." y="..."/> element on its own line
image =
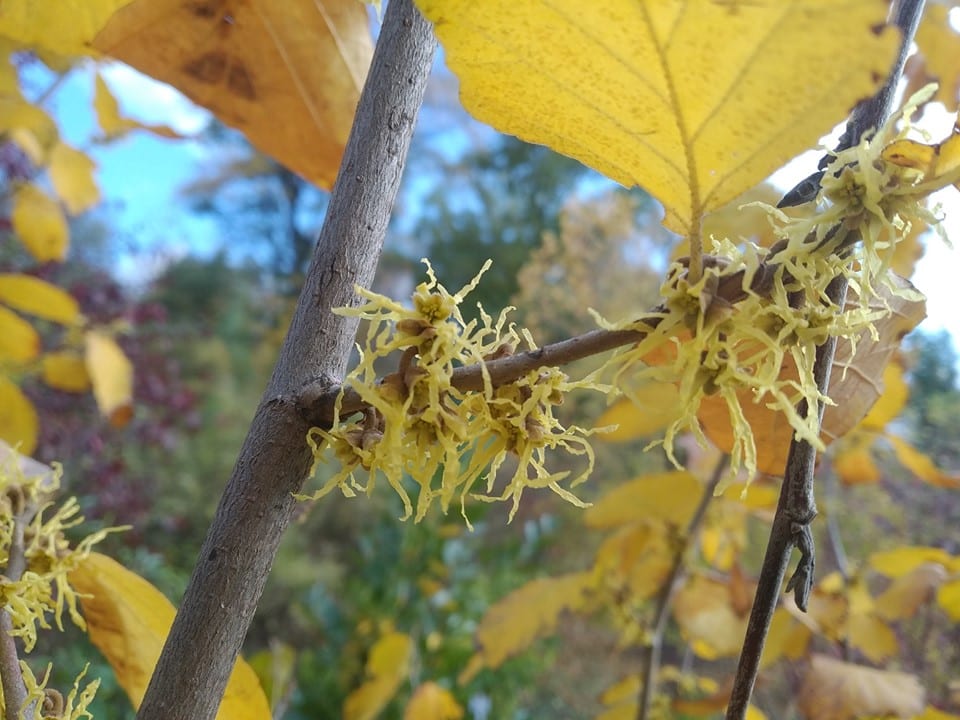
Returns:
<point x="11" y="676"/>
<point x="651" y="651"/>
<point x="258" y="503"/>
<point x="797" y="508"/>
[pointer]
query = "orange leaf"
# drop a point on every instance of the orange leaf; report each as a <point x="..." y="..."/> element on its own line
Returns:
<point x="287" y="75"/>
<point x="112" y="376"/>
<point x="432" y="702"/>
<point x="18" y="418"/>
<point x="38" y="297"/>
<point x="128" y="620"/>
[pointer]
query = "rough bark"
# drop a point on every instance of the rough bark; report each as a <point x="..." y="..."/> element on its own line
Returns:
<point x="256" y="506"/>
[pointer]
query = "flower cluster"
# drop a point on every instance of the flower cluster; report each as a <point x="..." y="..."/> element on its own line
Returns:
<point x="36" y="560"/>
<point x="749" y="328"/>
<point x="420" y="424"/>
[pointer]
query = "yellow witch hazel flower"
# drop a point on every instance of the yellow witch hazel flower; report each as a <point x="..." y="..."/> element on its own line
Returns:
<point x="749" y="328"/>
<point x="418" y="424"/>
<point x="35" y="560"/>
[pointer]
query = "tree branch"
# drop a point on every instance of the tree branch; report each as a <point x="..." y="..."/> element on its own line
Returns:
<point x="797" y="508"/>
<point x="11" y="675"/>
<point x="257" y="504"/>
<point x="651" y="651"/>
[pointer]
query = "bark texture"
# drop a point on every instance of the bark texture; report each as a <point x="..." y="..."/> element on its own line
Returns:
<point x="256" y="506"/>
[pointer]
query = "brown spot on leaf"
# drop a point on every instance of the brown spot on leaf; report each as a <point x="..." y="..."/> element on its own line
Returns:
<point x="240" y="81"/>
<point x="209" y="67"/>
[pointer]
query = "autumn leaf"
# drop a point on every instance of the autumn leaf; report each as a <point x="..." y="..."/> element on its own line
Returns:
<point x="18" y="418"/>
<point x="907" y="593"/>
<point x="71" y="173"/>
<point x="387" y="666"/>
<point x="710" y="623"/>
<point x="905" y="559"/>
<point x="948" y="598"/>
<point x="921" y="465"/>
<point x="64" y="26"/>
<point x="38" y="297"/>
<point x="636" y="558"/>
<point x="891" y="401"/>
<point x="699" y="101"/>
<point x="19" y="341"/>
<point x="432" y="702"/>
<point x="668" y="496"/>
<point x="648" y="410"/>
<point x="529" y="612"/>
<point x="854" y="388"/>
<point x="40" y="224"/>
<point x="112" y="122"/>
<point x="938" y="41"/>
<point x="65" y="370"/>
<point x="837" y="690"/>
<point x="128" y="620"/>
<point x="288" y="75"/>
<point x="111" y="375"/>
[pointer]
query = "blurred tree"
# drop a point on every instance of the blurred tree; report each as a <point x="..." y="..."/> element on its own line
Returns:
<point x="934" y="406"/>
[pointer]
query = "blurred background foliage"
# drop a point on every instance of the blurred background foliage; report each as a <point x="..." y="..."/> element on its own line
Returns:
<point x="202" y="331"/>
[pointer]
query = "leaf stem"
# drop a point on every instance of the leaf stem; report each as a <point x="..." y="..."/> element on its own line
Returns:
<point x="651" y="650"/>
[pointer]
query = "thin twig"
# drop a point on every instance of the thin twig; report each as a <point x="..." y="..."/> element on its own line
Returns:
<point x="11" y="675"/>
<point x="797" y="508"/>
<point x="651" y="651"/>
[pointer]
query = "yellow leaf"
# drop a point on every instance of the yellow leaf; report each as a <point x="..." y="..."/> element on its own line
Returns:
<point x="529" y="612"/>
<point x="254" y="62"/>
<point x="948" y="597"/>
<point x="432" y="702"/>
<point x="112" y="122"/>
<point x="891" y="402"/>
<point x="648" y="410"/>
<point x="937" y="41"/>
<point x="64" y="26"/>
<point x="19" y="342"/>
<point x="39" y="223"/>
<point x="112" y="376"/>
<point x="931" y="713"/>
<point x="128" y="620"/>
<point x="836" y="690"/>
<point x="387" y="666"/>
<point x="902" y="560"/>
<point x="18" y="418"/>
<point x="637" y="558"/>
<point x="71" y="173"/>
<point x="853" y="461"/>
<point x="908" y="592"/>
<point x="31" y="128"/>
<point x="786" y="638"/>
<point x="670" y="496"/>
<point x="871" y="636"/>
<point x="66" y="371"/>
<point x="38" y="297"/>
<point x="921" y="465"/>
<point x="708" y="619"/>
<point x="694" y="101"/>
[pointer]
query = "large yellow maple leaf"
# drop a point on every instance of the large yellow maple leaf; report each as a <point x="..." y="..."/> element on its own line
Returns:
<point x="695" y="101"/>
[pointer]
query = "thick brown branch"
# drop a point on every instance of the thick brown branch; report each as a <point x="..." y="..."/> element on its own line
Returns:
<point x="258" y="503"/>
